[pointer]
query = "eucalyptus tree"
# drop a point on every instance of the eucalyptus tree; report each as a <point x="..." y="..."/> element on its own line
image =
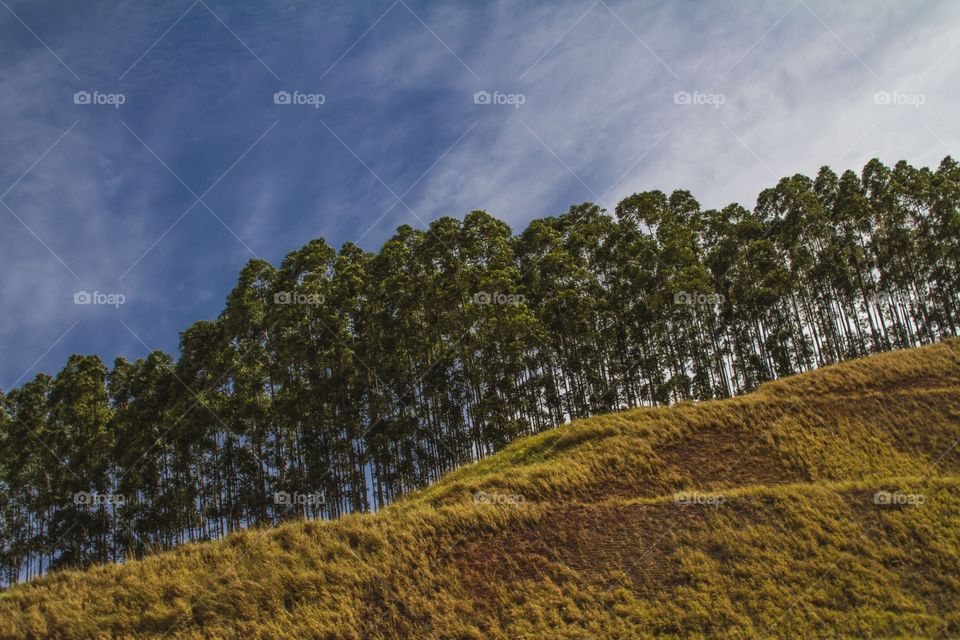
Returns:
<point x="249" y="405"/>
<point x="29" y="463"/>
<point x="940" y="235"/>
<point x="343" y="379"/>
<point x="499" y="337"/>
<point x="16" y="530"/>
<point x="301" y="338"/>
<point x="79" y="428"/>
<point x="347" y="399"/>
<point x="158" y="452"/>
<point x="198" y="411"/>
<point x="634" y="291"/>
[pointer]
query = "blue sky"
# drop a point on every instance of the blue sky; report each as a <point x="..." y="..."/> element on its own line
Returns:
<point x="163" y="198"/>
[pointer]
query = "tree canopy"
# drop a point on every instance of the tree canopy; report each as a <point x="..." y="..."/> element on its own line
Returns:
<point x="343" y="379"/>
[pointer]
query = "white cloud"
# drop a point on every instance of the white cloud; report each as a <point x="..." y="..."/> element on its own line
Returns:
<point x="597" y="91"/>
<point x="798" y="98"/>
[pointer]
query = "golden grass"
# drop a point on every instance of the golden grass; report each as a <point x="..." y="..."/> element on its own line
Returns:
<point x="580" y="535"/>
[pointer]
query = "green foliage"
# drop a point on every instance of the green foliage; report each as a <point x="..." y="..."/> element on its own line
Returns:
<point x="341" y="380"/>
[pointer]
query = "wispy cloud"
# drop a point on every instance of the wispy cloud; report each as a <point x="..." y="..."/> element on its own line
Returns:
<point x="773" y="89"/>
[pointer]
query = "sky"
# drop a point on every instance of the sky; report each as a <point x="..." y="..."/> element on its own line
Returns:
<point x="150" y="149"/>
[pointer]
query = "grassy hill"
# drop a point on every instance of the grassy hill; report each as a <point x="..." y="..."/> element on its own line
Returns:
<point x="743" y="518"/>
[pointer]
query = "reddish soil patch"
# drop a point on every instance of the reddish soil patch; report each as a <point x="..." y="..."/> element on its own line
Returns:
<point x="727" y="457"/>
<point x="598" y="542"/>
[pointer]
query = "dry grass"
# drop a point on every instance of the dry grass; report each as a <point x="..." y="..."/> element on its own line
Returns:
<point x="598" y="547"/>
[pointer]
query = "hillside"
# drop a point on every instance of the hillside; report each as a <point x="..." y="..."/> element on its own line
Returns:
<point x="348" y="378"/>
<point x="750" y="517"/>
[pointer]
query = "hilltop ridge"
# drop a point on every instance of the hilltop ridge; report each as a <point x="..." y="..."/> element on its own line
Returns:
<point x="824" y="504"/>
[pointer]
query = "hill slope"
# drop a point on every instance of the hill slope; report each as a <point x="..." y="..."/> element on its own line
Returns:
<point x="751" y="517"/>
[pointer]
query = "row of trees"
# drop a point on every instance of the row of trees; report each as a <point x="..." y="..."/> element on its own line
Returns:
<point x="343" y="379"/>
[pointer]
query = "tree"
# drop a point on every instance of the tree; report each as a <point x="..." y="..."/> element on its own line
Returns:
<point x="343" y="379"/>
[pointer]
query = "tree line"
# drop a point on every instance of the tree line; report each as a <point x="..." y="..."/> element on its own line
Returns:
<point x="343" y="379"/>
